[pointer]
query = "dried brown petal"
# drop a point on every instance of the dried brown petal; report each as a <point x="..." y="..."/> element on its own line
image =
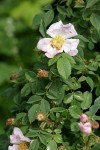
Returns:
<point x="10" y="121"/>
<point x="42" y="73"/>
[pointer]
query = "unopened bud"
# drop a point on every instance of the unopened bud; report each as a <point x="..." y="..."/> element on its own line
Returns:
<point x="83" y="118"/>
<point x="42" y="73"/>
<point x="41" y="116"/>
<point x="95" y="124"/>
<point x="10" y="121"/>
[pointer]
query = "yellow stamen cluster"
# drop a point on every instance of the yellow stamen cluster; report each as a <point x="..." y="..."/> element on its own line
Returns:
<point x="24" y="146"/>
<point x="57" y="42"/>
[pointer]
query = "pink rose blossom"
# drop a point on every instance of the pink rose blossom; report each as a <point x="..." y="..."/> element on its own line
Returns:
<point x="16" y="138"/>
<point x="83" y="118"/>
<point x="85" y="127"/>
<point x="60" y="40"/>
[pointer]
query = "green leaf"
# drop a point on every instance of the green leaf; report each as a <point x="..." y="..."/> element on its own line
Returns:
<point x="97" y="102"/>
<point x="95" y="21"/>
<point x="78" y="96"/>
<point x="68" y="98"/>
<point x="32" y="112"/>
<point x="48" y="17"/>
<point x="56" y="91"/>
<point x="34" y="145"/>
<point x="30" y="76"/>
<point x="52" y="145"/>
<point x="32" y="133"/>
<point x="68" y="57"/>
<point x="90" y="82"/>
<point x="54" y="59"/>
<point x="81" y="37"/>
<point x="37" y="20"/>
<point x="87" y="100"/>
<point x="26" y="89"/>
<point x="81" y="79"/>
<point x="42" y="29"/>
<point x="90" y="3"/>
<point x="96" y="146"/>
<point x="58" y="138"/>
<point x="45" y="106"/>
<point x="64" y="67"/>
<point x="75" y="111"/>
<point x="97" y="58"/>
<point x="43" y="139"/>
<point x="57" y="131"/>
<point x="62" y="10"/>
<point x="34" y="98"/>
<point x="74" y="127"/>
<point x="93" y="110"/>
<point x="58" y="109"/>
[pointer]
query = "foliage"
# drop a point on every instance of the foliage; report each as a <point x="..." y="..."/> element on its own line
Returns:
<point x="16" y="42"/>
<point x="70" y="87"/>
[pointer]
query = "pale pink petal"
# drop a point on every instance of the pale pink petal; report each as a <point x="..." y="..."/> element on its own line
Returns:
<point x="54" y="28"/>
<point x="14" y="147"/>
<point x="49" y="55"/>
<point x="44" y="44"/>
<point x="17" y="132"/>
<point x="70" y="46"/>
<point x="59" y="28"/>
<point x="69" y="30"/>
<point x="25" y="139"/>
<point x="85" y="128"/>
<point x="15" y="139"/>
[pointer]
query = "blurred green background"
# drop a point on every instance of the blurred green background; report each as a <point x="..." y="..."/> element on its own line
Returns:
<point x="17" y="41"/>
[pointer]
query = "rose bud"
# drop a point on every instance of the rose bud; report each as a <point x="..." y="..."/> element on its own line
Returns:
<point x="83" y="118"/>
<point x="95" y="124"/>
<point x="10" y="121"/>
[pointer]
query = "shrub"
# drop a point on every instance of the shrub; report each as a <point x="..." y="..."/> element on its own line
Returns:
<point x="57" y="101"/>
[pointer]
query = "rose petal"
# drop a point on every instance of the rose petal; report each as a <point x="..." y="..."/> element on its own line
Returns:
<point x="69" y="30"/>
<point x="70" y="46"/>
<point x="73" y="52"/>
<point x="17" y="132"/>
<point x="25" y="139"/>
<point x="85" y="128"/>
<point x="59" y="28"/>
<point x="54" y="28"/>
<point x="15" y="139"/>
<point x="14" y="147"/>
<point x="44" y="44"/>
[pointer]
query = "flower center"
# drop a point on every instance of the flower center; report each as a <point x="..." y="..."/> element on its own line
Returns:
<point x="57" y="42"/>
<point x="23" y="146"/>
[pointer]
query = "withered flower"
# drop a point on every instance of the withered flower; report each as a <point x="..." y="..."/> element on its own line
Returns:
<point x="42" y="73"/>
<point x="41" y="116"/>
<point x="10" y="121"/>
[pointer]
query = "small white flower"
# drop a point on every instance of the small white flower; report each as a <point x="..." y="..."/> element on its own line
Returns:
<point x="17" y="138"/>
<point x="60" y="40"/>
